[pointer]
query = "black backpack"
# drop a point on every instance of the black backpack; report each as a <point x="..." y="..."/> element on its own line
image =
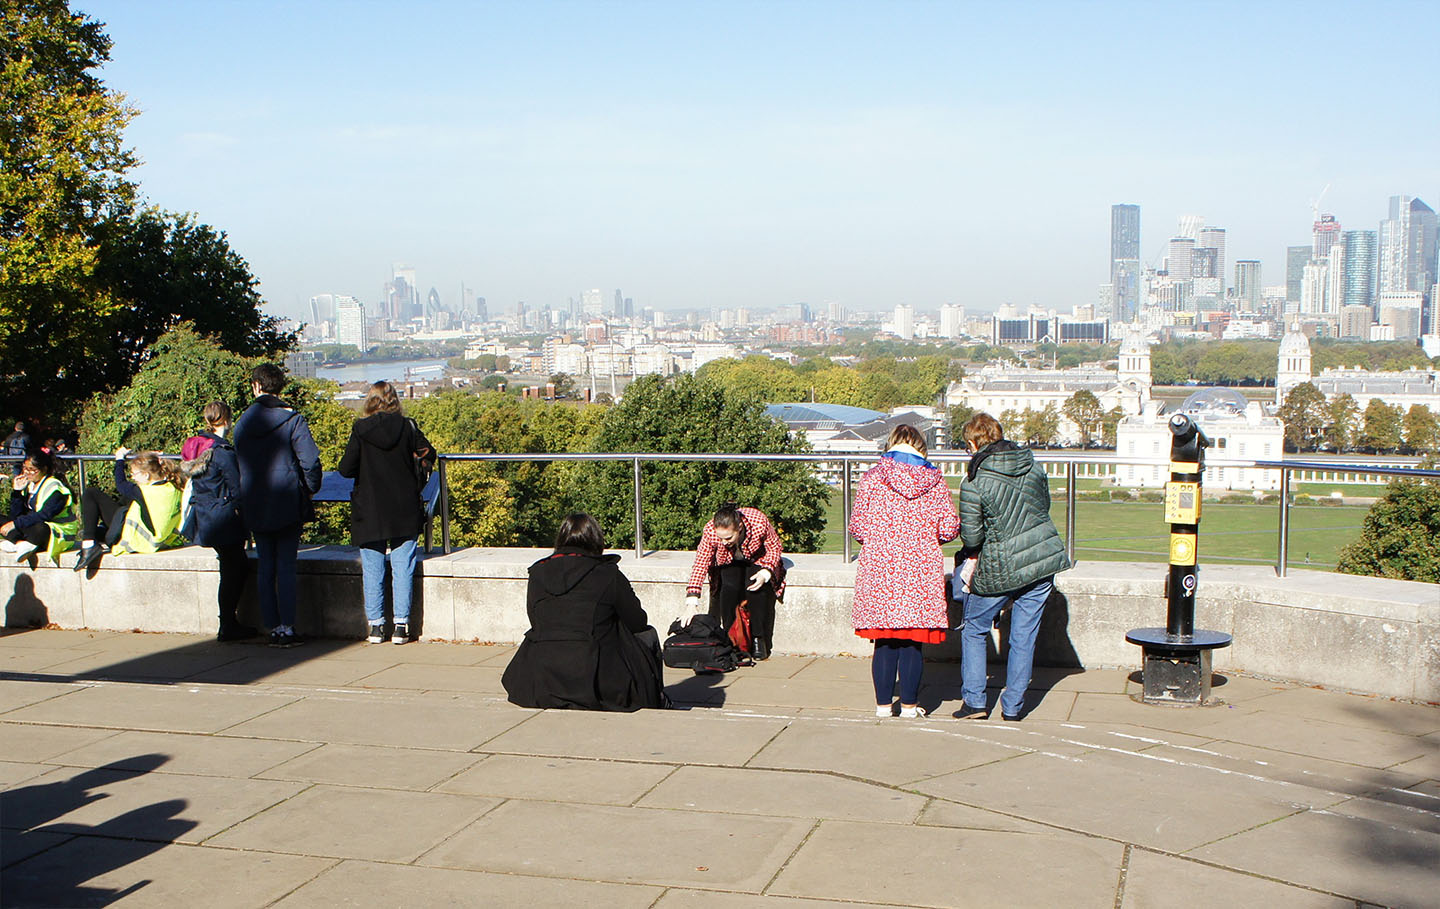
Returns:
<point x="702" y="645"/>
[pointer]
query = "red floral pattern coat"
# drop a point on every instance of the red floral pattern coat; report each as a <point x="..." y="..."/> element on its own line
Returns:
<point x="903" y="512"/>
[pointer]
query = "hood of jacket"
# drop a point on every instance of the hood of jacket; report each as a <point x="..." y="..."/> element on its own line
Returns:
<point x="383" y="430"/>
<point x="268" y="414"/>
<point x="1003" y="457"/>
<point x="910" y="480"/>
<point x="563" y="571"/>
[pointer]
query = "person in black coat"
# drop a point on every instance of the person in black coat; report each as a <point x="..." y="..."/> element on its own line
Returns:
<point x="388" y="457"/>
<point x="279" y="472"/>
<point x="212" y="513"/>
<point x="589" y="646"/>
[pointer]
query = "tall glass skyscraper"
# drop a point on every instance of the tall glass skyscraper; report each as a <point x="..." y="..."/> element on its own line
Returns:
<point x="1296" y="258"/>
<point x="1361" y="251"/>
<point x="1125" y="261"/>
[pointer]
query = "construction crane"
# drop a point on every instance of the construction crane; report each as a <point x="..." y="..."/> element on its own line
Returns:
<point x="1315" y="204"/>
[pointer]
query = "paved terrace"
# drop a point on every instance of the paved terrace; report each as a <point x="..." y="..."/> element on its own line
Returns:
<point x="169" y="770"/>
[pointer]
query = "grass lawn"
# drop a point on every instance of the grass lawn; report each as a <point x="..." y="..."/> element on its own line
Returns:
<point x="1244" y="534"/>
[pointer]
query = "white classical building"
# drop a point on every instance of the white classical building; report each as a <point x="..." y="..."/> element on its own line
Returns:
<point x="1400" y="388"/>
<point x="999" y="387"/>
<point x="1237" y="428"/>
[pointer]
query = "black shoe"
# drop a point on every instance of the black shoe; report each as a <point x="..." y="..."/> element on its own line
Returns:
<point x="285" y="640"/>
<point x="235" y="632"/>
<point x="89" y="555"/>
<point x="762" y="650"/>
<point x="971" y="713"/>
<point x="401" y="634"/>
<point x="1010" y="717"/>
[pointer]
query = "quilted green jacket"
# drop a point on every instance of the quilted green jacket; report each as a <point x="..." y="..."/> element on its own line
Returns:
<point x="1005" y="514"/>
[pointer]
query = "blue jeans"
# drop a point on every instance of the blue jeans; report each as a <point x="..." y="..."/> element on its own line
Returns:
<point x="275" y="574"/>
<point x="1025" y="616"/>
<point x="402" y="578"/>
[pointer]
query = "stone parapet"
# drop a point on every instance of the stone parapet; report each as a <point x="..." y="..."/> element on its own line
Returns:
<point x="1364" y="634"/>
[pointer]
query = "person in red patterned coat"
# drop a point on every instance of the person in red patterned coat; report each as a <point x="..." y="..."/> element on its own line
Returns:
<point x="903" y="512"/>
<point x="740" y="554"/>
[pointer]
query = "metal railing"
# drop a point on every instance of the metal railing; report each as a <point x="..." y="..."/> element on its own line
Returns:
<point x="844" y="464"/>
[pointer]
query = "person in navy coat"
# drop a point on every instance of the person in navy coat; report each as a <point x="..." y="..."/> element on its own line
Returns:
<point x="279" y="472"/>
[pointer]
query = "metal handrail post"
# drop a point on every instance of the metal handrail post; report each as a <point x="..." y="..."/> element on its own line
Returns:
<point x="1283" y="559"/>
<point x="845" y="509"/>
<point x="639" y="530"/>
<point x="444" y="507"/>
<point x="1070" y="479"/>
<point x="80" y="477"/>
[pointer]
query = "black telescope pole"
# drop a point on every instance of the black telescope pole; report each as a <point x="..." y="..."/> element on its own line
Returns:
<point x="1187" y="466"/>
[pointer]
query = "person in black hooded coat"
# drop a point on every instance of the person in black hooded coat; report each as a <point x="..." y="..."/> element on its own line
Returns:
<point x="589" y="646"/>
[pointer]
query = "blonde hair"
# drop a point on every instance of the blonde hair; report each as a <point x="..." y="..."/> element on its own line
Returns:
<point x="905" y="434"/>
<point x="982" y="430"/>
<point x="150" y="464"/>
<point x="381" y="398"/>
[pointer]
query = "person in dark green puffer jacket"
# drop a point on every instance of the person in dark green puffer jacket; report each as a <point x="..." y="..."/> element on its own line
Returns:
<point x="1005" y="518"/>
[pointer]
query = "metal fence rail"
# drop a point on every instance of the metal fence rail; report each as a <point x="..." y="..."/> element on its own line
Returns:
<point x="844" y="465"/>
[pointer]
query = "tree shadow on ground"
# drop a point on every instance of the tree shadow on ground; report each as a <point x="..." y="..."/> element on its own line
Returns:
<point x="51" y="869"/>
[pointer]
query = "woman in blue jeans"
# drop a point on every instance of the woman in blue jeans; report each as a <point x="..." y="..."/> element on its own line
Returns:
<point x="1005" y="518"/>
<point x="387" y="455"/>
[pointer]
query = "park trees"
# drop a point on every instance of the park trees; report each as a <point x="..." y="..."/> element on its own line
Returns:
<point x="1303" y="413"/>
<point x="1041" y="428"/>
<point x="1086" y="412"/>
<point x="1401" y="536"/>
<point x="1422" y="430"/>
<point x="692" y="414"/>
<point x="1382" y="429"/>
<point x="1342" y="423"/>
<point x="88" y="279"/>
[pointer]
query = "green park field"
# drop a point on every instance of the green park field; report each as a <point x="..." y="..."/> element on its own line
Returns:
<point x="1237" y="534"/>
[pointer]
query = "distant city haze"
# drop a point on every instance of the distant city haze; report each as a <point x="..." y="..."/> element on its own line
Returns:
<point x="758" y="154"/>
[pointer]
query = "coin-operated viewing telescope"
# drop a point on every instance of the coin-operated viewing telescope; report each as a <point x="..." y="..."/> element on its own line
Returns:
<point x="1177" y="657"/>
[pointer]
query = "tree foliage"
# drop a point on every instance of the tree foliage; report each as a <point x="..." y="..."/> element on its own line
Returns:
<point x="1304" y="414"/>
<point x="1422" y="430"/>
<point x="1401" y="536"/>
<point x="693" y="414"/>
<point x="1086" y="412"/>
<point x="1382" y="430"/>
<point x="62" y="171"/>
<point x="1342" y="423"/>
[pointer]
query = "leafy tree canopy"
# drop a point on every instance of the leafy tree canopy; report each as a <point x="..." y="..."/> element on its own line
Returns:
<point x="1401" y="537"/>
<point x="1304" y="414"/>
<point x="692" y="414"/>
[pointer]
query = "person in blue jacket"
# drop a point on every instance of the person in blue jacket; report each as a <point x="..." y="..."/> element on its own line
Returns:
<point x="212" y="513"/>
<point x="279" y="472"/>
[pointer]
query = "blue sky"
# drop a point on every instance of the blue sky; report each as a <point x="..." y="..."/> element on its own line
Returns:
<point x="728" y="154"/>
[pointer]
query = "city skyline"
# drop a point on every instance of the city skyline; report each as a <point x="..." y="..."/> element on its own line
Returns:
<point x="754" y="155"/>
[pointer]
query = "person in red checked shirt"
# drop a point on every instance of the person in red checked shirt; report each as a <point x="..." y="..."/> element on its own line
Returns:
<point x="740" y="555"/>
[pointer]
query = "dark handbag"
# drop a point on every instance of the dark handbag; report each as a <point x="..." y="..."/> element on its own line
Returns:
<point x="701" y="645"/>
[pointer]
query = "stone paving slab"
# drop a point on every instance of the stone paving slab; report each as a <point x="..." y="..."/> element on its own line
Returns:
<point x="97" y="871"/>
<point x="358" y="718"/>
<point x="29" y="742"/>
<point x="558" y="779"/>
<point x="355" y="883"/>
<point x="357" y="823"/>
<point x="947" y="867"/>
<point x="372" y="766"/>
<point x="197" y="755"/>
<point x="770" y="793"/>
<point x="154" y="707"/>
<point x="625" y="845"/>
<point x="427" y="677"/>
<point x="672" y="737"/>
<point x="1154" y="880"/>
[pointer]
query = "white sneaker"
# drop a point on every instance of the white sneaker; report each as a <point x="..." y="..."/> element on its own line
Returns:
<point x="885" y="710"/>
<point x="6" y="546"/>
<point x="23" y="550"/>
<point x="912" y="713"/>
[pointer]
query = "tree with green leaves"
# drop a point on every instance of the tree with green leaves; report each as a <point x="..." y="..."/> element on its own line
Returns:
<point x="1383" y="427"/>
<point x="1401" y="536"/>
<point x="1085" y="411"/>
<point x="1110" y="427"/>
<point x="63" y="169"/>
<point x="1422" y="430"/>
<point x="691" y="414"/>
<point x="1041" y="428"/>
<point x="1342" y="423"/>
<point x="1304" y="414"/>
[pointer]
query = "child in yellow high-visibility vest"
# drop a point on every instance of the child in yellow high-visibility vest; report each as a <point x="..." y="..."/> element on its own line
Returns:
<point x="150" y="519"/>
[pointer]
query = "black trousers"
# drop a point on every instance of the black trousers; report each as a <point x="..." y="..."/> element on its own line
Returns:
<point x="234" y="568"/>
<point x="727" y="590"/>
<point x="97" y="508"/>
<point x="39" y="534"/>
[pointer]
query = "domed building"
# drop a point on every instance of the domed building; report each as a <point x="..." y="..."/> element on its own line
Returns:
<point x="1238" y="428"/>
<point x="1293" y="366"/>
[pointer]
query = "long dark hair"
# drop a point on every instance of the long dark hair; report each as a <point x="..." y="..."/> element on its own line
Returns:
<point x="582" y="532"/>
<point x="729" y="517"/>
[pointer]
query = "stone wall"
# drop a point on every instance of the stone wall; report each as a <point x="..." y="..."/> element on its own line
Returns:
<point x="1363" y="634"/>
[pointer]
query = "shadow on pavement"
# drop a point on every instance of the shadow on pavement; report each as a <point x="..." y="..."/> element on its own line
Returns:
<point x="52" y="872"/>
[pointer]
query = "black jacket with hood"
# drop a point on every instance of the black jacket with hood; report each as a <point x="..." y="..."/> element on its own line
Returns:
<point x="381" y="457"/>
<point x="279" y="465"/>
<point x="581" y="651"/>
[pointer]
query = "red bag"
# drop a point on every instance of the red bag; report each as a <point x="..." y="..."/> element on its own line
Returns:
<point x="740" y="628"/>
